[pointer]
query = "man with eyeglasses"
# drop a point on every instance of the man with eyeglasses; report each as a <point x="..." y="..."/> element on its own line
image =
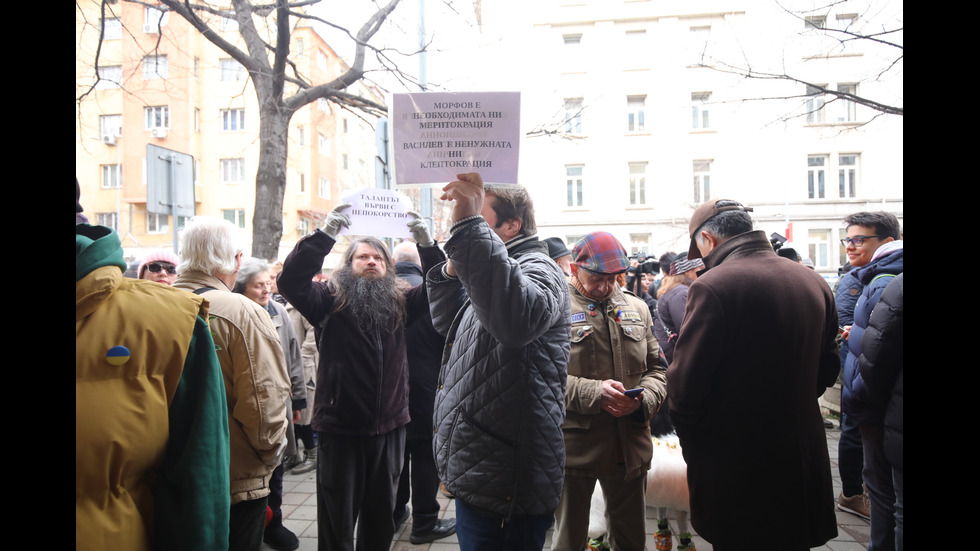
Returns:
<point x="159" y="266"/>
<point x="875" y="250"/>
<point x="757" y="342"/>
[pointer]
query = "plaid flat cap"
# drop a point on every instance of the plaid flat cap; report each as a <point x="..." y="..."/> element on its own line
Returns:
<point x="600" y="253"/>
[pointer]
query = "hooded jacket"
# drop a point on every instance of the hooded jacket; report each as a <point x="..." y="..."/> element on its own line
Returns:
<point x="500" y="403"/>
<point x="151" y="426"/>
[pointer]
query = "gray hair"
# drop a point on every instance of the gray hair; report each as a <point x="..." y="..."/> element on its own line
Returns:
<point x="209" y="245"/>
<point x="726" y="224"/>
<point x="406" y="251"/>
<point x="251" y="268"/>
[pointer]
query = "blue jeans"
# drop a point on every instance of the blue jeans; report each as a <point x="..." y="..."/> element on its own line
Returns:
<point x="881" y="489"/>
<point x="477" y="531"/>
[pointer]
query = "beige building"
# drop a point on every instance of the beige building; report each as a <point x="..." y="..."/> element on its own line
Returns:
<point x="162" y="83"/>
<point x="637" y="111"/>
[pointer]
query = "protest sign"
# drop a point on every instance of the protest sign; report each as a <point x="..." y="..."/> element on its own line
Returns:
<point x="437" y="135"/>
<point x="378" y="212"/>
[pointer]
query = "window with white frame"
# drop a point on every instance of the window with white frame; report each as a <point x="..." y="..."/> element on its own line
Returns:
<point x="235" y="216"/>
<point x="699" y="110"/>
<point x="574" y="184"/>
<point x="229" y="23"/>
<point x="109" y="77"/>
<point x="157" y="223"/>
<point x="639" y="243"/>
<point x="702" y="180"/>
<point x="233" y="171"/>
<point x="572" y="39"/>
<point x="231" y="70"/>
<point x="814" y="104"/>
<point x="323" y="105"/>
<point x="819" y="247"/>
<point x="156" y="117"/>
<point x="303" y="226"/>
<point x="302" y="182"/>
<point x="108" y="219"/>
<point x="323" y="189"/>
<point x="817" y="176"/>
<point x="847" y="108"/>
<point x="847" y="174"/>
<point x="111" y="28"/>
<point x="698" y="37"/>
<point x="815" y="22"/>
<point x="321" y="60"/>
<point x="111" y="176"/>
<point x="110" y="126"/>
<point x="301" y="135"/>
<point x="638" y="184"/>
<point x="155" y="67"/>
<point x="232" y="120"/>
<point x="345" y="125"/>
<point x="153" y="19"/>
<point x="345" y="160"/>
<point x="323" y="144"/>
<point x="635" y="106"/>
<point x="197" y="119"/>
<point x="300" y="46"/>
<point x="573" y="115"/>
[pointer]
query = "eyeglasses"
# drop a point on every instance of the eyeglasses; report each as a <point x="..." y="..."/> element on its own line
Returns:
<point x="155" y="267"/>
<point x="858" y="240"/>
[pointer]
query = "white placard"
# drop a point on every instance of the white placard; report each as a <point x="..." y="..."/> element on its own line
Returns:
<point x="437" y="135"/>
<point x="378" y="213"/>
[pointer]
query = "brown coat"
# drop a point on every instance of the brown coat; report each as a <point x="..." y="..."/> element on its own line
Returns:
<point x="756" y="350"/>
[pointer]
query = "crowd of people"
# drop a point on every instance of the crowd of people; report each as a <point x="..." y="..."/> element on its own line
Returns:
<point x="517" y="375"/>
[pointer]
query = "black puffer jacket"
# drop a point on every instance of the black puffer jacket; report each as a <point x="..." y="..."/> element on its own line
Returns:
<point x="882" y="364"/>
<point x="501" y="400"/>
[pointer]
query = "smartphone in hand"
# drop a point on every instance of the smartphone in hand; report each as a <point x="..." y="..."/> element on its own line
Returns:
<point x="634" y="392"/>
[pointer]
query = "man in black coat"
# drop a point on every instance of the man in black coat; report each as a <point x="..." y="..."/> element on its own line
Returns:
<point x="419" y="479"/>
<point x="757" y="342"/>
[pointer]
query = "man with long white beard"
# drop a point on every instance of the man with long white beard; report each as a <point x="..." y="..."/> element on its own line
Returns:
<point x="361" y="405"/>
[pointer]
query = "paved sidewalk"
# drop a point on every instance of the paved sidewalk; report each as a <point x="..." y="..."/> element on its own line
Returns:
<point x="299" y="512"/>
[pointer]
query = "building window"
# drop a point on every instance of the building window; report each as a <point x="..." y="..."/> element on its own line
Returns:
<point x="302" y="182"/>
<point x="232" y="171"/>
<point x="638" y="183"/>
<point x="573" y="181"/>
<point x="299" y="46"/>
<point x="110" y="126"/>
<point x="111" y="28"/>
<point x="345" y="160"/>
<point x="815" y="22"/>
<point x="301" y="136"/>
<point x="321" y="60"/>
<point x="111" y="176"/>
<point x="817" y="176"/>
<point x="197" y="119"/>
<point x="235" y="216"/>
<point x="699" y="110"/>
<point x="323" y="190"/>
<point x="639" y="243"/>
<point x="303" y="226"/>
<point x="699" y="36"/>
<point x="847" y="112"/>
<point x="153" y="19"/>
<point x="231" y="70"/>
<point x="323" y="144"/>
<point x="156" y="117"/>
<point x="847" y="171"/>
<point x="572" y="39"/>
<point x="819" y="248"/>
<point x="323" y="105"/>
<point x="814" y="104"/>
<point x="702" y="180"/>
<point x="109" y="219"/>
<point x="634" y="113"/>
<point x="197" y="66"/>
<point x="157" y="223"/>
<point x="229" y="23"/>
<point x="345" y="126"/>
<point x="155" y="67"/>
<point x="232" y="120"/>
<point x="109" y="77"/>
<point x="573" y="115"/>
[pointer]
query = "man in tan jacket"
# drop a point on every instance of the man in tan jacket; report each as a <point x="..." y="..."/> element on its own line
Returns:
<point x="254" y="369"/>
<point x="615" y="385"/>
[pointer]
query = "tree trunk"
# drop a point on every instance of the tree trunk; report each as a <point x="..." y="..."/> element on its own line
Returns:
<point x="270" y="182"/>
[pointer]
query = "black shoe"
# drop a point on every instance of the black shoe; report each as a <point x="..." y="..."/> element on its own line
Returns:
<point x="399" y="520"/>
<point x="443" y="528"/>
<point x="279" y="537"/>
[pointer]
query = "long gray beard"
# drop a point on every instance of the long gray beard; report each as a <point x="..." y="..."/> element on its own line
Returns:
<point x="373" y="302"/>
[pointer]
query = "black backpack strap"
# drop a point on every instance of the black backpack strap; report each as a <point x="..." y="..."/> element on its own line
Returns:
<point x="203" y="290"/>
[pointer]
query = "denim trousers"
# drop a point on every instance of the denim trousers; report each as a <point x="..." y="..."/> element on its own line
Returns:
<point x="479" y="531"/>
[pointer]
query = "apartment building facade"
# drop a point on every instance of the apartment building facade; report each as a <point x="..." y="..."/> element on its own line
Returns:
<point x="162" y="83"/>
<point x="644" y="109"/>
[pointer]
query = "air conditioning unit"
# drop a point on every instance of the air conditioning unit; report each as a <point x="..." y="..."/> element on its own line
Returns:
<point x="151" y="28"/>
<point x="159" y="132"/>
<point x="109" y="139"/>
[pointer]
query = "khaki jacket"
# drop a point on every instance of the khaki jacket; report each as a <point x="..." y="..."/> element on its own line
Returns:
<point x="615" y="343"/>
<point x="256" y="382"/>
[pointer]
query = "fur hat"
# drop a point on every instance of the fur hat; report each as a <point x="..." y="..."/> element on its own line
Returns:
<point x="157" y="256"/>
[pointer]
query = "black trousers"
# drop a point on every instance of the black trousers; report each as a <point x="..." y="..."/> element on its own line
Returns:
<point x="247" y="523"/>
<point x="420" y="482"/>
<point x="357" y="477"/>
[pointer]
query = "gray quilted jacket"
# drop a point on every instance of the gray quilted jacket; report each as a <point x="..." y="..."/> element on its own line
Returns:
<point x="500" y="403"/>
